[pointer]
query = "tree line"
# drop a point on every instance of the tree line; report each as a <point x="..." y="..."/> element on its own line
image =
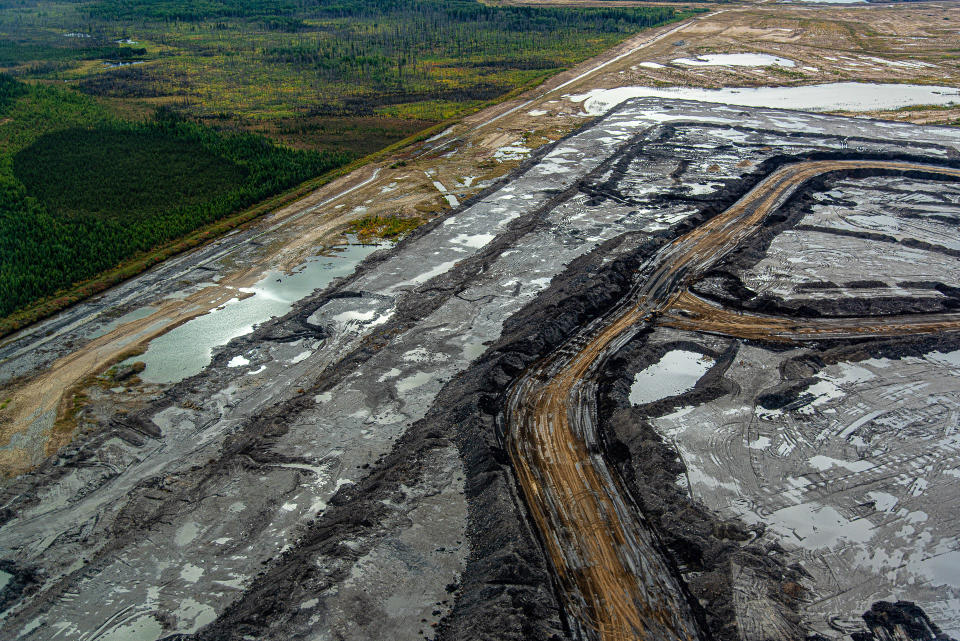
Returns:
<point x="43" y="251"/>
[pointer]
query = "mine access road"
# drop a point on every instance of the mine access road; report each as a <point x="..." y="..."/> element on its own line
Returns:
<point x="616" y="583"/>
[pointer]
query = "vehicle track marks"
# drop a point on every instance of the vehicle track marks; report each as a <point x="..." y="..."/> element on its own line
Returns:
<point x="616" y="583"/>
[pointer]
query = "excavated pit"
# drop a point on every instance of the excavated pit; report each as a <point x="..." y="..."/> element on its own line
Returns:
<point x="343" y="471"/>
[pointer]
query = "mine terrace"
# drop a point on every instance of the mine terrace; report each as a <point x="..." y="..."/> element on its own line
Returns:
<point x="688" y="368"/>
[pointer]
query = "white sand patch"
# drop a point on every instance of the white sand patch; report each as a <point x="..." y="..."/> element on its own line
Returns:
<point x="440" y="135"/>
<point x="827" y="97"/>
<point x="735" y="60"/>
<point x="511" y="152"/>
<point x="238" y="361"/>
<point x="450" y="198"/>
<point x="473" y="240"/>
<point x="302" y="356"/>
<point x="427" y="275"/>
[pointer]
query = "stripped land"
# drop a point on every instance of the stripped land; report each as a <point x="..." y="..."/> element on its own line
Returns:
<point x="588" y="527"/>
<point x="443" y="445"/>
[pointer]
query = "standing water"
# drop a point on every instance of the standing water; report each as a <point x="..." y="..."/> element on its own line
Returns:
<point x="187" y="349"/>
<point x="856" y="96"/>
<point x="677" y="372"/>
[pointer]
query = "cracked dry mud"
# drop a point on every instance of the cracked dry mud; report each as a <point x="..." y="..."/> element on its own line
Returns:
<point x="443" y="444"/>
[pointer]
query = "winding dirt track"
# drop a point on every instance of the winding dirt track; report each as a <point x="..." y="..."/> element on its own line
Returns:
<point x="694" y="313"/>
<point x="616" y="584"/>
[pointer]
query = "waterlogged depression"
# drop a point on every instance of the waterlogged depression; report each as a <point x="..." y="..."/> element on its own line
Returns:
<point x="187" y="349"/>
<point x="838" y="96"/>
<point x="307" y="487"/>
<point x="735" y="60"/>
<point x="853" y="477"/>
<point x="677" y="372"/>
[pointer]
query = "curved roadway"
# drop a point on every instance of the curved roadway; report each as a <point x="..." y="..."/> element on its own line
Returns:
<point x="615" y="582"/>
<point x="694" y="313"/>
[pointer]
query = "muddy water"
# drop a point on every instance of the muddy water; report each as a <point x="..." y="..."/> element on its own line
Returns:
<point x="855" y="96"/>
<point x="677" y="372"/>
<point x="187" y="349"/>
<point x="735" y="60"/>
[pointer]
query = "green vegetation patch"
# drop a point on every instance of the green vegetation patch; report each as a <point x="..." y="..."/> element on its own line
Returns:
<point x="10" y="90"/>
<point x="122" y="173"/>
<point x="949" y="105"/>
<point x="362" y="135"/>
<point x="370" y="228"/>
<point x="420" y="59"/>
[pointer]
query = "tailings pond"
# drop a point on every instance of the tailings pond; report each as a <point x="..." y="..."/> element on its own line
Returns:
<point x="187" y="349"/>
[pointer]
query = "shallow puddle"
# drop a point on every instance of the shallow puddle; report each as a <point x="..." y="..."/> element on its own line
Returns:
<point x="735" y="60"/>
<point x="856" y="96"/>
<point x="187" y="349"/>
<point x="677" y="372"/>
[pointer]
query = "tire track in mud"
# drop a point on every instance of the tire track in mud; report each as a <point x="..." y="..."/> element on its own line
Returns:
<point x="615" y="582"/>
<point x="690" y="312"/>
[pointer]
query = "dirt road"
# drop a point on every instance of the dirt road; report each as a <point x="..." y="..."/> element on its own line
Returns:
<point x="615" y="582"/>
<point x="48" y="395"/>
<point x="692" y="312"/>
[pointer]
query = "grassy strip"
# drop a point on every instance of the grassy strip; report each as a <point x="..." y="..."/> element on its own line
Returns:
<point x="945" y="107"/>
<point x="370" y="228"/>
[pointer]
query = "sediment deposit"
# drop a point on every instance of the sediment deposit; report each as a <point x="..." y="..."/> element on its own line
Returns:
<point x="443" y="445"/>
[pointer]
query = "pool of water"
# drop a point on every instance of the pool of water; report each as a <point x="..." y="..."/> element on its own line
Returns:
<point x="187" y="349"/>
<point x="735" y="60"/>
<point x="137" y="314"/>
<point x="856" y="96"/>
<point x="677" y="372"/>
